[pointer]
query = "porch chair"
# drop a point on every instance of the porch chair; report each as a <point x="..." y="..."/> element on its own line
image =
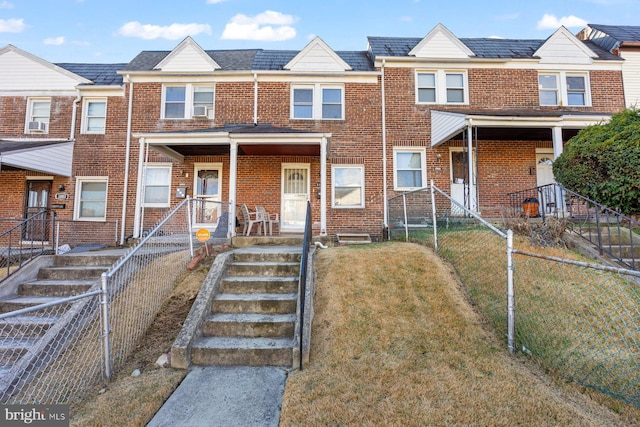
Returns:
<point x="251" y="218"/>
<point x="262" y="212"/>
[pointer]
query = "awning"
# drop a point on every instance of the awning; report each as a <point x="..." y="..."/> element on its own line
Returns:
<point x="49" y="156"/>
<point x="447" y="124"/>
<point x="251" y="140"/>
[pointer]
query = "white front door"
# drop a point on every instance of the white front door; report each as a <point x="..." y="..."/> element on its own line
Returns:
<point x="207" y="186"/>
<point x="461" y="191"/>
<point x="544" y="175"/>
<point x="295" y="193"/>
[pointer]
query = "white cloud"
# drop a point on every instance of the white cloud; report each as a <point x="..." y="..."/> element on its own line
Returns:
<point x="406" y="18"/>
<point x="266" y="26"/>
<point x="496" y="37"/>
<point x="169" y="32"/>
<point x="54" y="41"/>
<point x="551" y="22"/>
<point x="12" y="25"/>
<point x="6" y="5"/>
<point x="214" y="1"/>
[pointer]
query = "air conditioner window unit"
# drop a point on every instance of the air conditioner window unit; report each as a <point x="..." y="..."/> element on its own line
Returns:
<point x="200" y="111"/>
<point x="37" y="126"/>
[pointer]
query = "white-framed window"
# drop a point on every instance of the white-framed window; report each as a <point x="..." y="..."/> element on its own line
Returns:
<point x="91" y="198"/>
<point x="186" y="101"/>
<point x="409" y="168"/>
<point x="157" y="185"/>
<point x="94" y="115"/>
<point x="564" y="88"/>
<point x="38" y="113"/>
<point x="347" y="186"/>
<point x="441" y="87"/>
<point x="317" y="102"/>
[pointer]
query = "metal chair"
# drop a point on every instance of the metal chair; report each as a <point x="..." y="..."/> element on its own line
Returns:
<point x="266" y="216"/>
<point x="251" y="218"/>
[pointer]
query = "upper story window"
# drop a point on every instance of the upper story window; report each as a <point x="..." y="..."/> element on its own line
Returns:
<point x="319" y="102"/>
<point x="564" y="89"/>
<point x="38" y="112"/>
<point x="409" y="168"/>
<point x="441" y="87"/>
<point x="187" y="101"/>
<point x="94" y="115"/>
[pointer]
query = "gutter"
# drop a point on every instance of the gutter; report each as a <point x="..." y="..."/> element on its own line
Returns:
<point x="74" y="116"/>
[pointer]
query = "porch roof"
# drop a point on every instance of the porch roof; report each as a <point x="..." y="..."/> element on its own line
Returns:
<point x="511" y="124"/>
<point x="52" y="156"/>
<point x="261" y="139"/>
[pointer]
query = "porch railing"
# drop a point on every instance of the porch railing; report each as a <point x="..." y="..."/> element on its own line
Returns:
<point x="611" y="233"/>
<point x="303" y="274"/>
<point x="25" y="241"/>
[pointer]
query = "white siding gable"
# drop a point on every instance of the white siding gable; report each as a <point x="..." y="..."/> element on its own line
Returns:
<point x="564" y="48"/>
<point x="21" y="71"/>
<point x="188" y="56"/>
<point x="317" y="56"/>
<point x="631" y="77"/>
<point x="441" y="43"/>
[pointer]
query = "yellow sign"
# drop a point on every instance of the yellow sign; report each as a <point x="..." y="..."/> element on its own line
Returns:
<point x="203" y="234"/>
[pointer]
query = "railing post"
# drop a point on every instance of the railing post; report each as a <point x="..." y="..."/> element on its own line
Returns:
<point x="433" y="213"/>
<point x="597" y="209"/>
<point x="190" y="226"/>
<point x="511" y="327"/>
<point x="104" y="301"/>
<point x="406" y="225"/>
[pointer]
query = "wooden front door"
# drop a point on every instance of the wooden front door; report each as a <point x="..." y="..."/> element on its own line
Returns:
<point x="36" y="200"/>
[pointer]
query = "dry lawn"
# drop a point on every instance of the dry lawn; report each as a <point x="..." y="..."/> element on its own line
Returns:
<point x="396" y="342"/>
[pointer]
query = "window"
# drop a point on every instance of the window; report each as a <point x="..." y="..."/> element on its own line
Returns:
<point x="348" y="186"/>
<point x="319" y="102"/>
<point x="409" y="168"/>
<point x="94" y="116"/>
<point x="187" y="101"/>
<point x="38" y="113"/>
<point x="91" y="198"/>
<point x="563" y="89"/>
<point x="441" y="87"/>
<point x="157" y="185"/>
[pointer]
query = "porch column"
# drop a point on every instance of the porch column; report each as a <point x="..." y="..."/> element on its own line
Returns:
<point x="137" y="213"/>
<point x="556" y="133"/>
<point x="323" y="187"/>
<point x="233" y="172"/>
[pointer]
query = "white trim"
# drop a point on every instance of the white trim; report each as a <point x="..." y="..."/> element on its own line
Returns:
<point x="188" y="42"/>
<point x="316" y="102"/>
<point x="333" y="187"/>
<point x="207" y="166"/>
<point x="423" y="166"/>
<point x="317" y="42"/>
<point x="78" y="189"/>
<point x="158" y="165"/>
<point x="84" y="121"/>
<point x="421" y="48"/>
<point x="441" y="86"/>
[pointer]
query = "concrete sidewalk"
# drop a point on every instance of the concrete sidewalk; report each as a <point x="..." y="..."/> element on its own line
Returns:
<point x="225" y="396"/>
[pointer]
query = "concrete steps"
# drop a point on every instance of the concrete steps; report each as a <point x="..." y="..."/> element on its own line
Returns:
<point x="68" y="275"/>
<point x="253" y="316"/>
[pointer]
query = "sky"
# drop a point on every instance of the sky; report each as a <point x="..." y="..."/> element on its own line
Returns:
<point x="115" y="31"/>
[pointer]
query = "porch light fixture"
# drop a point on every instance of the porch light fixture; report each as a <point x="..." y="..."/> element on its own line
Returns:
<point x="61" y="187"/>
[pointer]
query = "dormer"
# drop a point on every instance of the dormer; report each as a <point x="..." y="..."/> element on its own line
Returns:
<point x="441" y="43"/>
<point x="317" y="56"/>
<point x="188" y="56"/>
<point x="564" y="48"/>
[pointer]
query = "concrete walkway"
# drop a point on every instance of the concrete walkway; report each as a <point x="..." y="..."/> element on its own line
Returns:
<point x="225" y="396"/>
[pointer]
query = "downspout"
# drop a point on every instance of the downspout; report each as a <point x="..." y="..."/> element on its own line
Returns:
<point x="74" y="116"/>
<point x="470" y="160"/>
<point x="255" y="99"/>
<point x="136" y="220"/>
<point x="384" y="150"/>
<point x="125" y="185"/>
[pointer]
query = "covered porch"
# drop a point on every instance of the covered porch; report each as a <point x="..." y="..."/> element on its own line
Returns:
<point x="494" y="152"/>
<point x="272" y="166"/>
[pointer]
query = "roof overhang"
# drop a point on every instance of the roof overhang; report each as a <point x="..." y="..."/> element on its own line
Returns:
<point x="49" y="156"/>
<point x="447" y="124"/>
<point x="251" y="140"/>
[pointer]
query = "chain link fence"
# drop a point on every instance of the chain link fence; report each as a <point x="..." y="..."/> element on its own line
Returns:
<point x="55" y="353"/>
<point x="581" y="321"/>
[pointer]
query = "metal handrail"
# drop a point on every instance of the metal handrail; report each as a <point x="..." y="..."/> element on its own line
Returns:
<point x="17" y="249"/>
<point x="303" y="274"/>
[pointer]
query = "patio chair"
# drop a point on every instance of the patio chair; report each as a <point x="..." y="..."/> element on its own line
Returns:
<point x="262" y="212"/>
<point x="251" y="218"/>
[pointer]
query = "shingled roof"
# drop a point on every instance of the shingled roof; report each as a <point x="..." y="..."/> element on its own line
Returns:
<point x="482" y="47"/>
<point x="99" y="74"/>
<point x="622" y="33"/>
